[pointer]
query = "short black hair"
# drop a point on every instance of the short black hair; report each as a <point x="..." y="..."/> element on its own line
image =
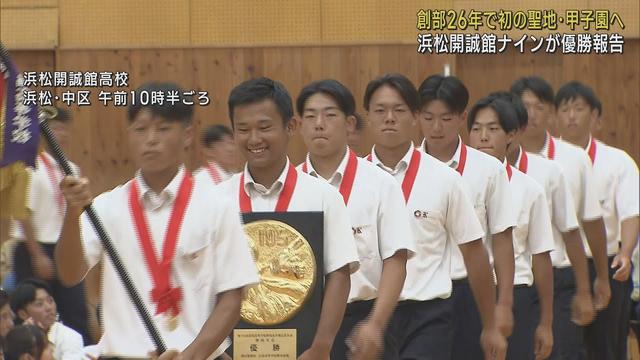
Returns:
<point x="504" y="110"/>
<point x="396" y="81"/>
<point x="25" y="293"/>
<point x="448" y="89"/>
<point x="537" y="85"/>
<point x="259" y="89"/>
<point x="575" y="89"/>
<point x="516" y="103"/>
<point x="214" y="133"/>
<point x="334" y="89"/>
<point x="170" y="110"/>
<point x="25" y="339"/>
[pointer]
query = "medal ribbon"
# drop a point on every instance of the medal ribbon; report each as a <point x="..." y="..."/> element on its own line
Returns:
<point x="213" y="172"/>
<point x="349" y="176"/>
<point x="410" y="175"/>
<point x="283" y="200"/>
<point x="463" y="158"/>
<point x="592" y="150"/>
<point x="551" y="149"/>
<point x="167" y="298"/>
<point x="523" y="164"/>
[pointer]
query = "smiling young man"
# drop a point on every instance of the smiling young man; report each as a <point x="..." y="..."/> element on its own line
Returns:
<point x="442" y="217"/>
<point x="187" y="255"/>
<point x="493" y="125"/>
<point x="443" y="102"/>
<point x="261" y="113"/>
<point x="377" y="214"/>
<point x="617" y="175"/>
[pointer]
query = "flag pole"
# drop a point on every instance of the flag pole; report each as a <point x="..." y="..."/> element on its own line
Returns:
<point x="97" y="225"/>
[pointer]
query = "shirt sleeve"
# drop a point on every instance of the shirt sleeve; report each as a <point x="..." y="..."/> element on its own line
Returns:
<point x="499" y="206"/>
<point x="394" y="228"/>
<point x="591" y="209"/>
<point x="462" y="223"/>
<point x="540" y="234"/>
<point x="234" y="267"/>
<point x="91" y="244"/>
<point x="339" y="245"/>
<point x="564" y="215"/>
<point x="627" y="196"/>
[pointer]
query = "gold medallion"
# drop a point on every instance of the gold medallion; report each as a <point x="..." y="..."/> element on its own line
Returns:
<point x="172" y="323"/>
<point x="287" y="270"/>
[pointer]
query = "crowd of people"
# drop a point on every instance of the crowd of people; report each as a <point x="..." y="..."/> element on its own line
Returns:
<point x="516" y="244"/>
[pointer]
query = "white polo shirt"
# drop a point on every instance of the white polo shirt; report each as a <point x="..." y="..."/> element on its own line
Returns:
<point x="45" y="200"/>
<point x="212" y="172"/>
<point x="67" y="343"/>
<point x="212" y="256"/>
<point x="486" y="181"/>
<point x="579" y="173"/>
<point x="378" y="218"/>
<point x="310" y="194"/>
<point x="442" y="217"/>
<point x="550" y="176"/>
<point x="618" y="186"/>
<point x="532" y="235"/>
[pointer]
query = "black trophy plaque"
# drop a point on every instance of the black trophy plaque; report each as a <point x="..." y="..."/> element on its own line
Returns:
<point x="277" y="341"/>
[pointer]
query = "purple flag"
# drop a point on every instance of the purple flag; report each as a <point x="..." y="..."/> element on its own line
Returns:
<point x="21" y="127"/>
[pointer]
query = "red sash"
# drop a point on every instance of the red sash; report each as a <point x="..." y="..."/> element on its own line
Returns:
<point x="167" y="298"/>
<point x="523" y="164"/>
<point x="463" y="158"/>
<point x="551" y="149"/>
<point x="213" y="172"/>
<point x="283" y="200"/>
<point x="509" y="171"/>
<point x="410" y="175"/>
<point x="349" y="175"/>
<point x="55" y="182"/>
<point x="592" y="150"/>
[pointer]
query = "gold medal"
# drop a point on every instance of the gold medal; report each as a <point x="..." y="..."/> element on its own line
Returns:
<point x="172" y="323"/>
<point x="287" y="268"/>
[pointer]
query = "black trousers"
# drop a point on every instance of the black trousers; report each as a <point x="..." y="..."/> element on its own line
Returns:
<point x="467" y="325"/>
<point x="422" y="330"/>
<point x="526" y="316"/>
<point x="568" y="338"/>
<point x="355" y="313"/>
<point x="70" y="301"/>
<point x="606" y="337"/>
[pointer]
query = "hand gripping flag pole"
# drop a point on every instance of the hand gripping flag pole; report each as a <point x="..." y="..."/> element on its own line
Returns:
<point x="97" y="225"/>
